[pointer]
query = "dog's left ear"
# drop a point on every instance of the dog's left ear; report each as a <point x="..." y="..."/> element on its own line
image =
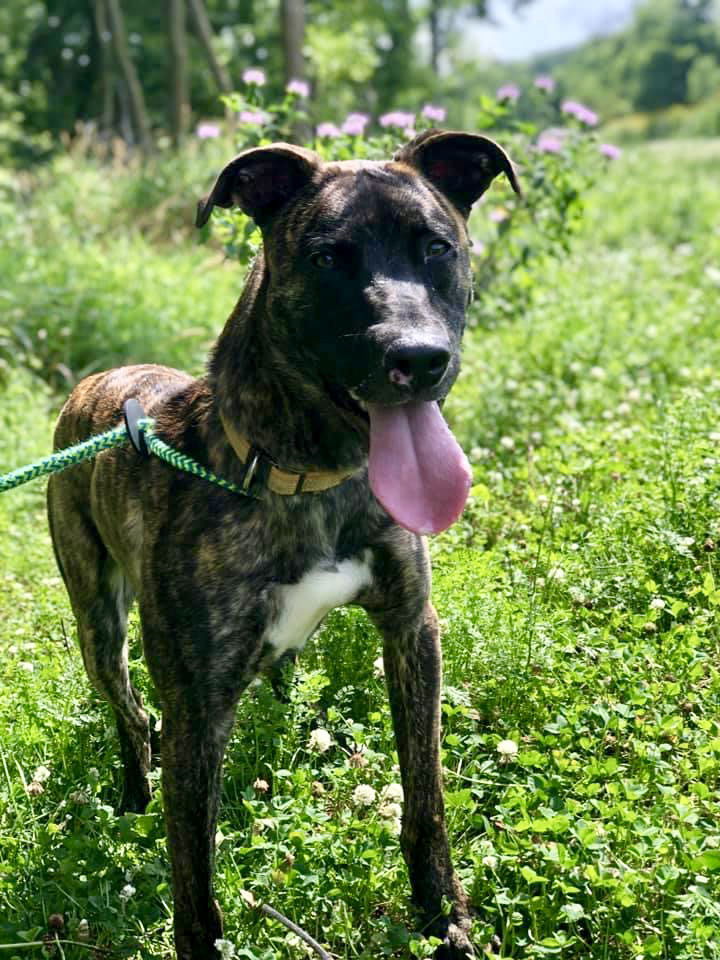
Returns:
<point x="260" y="181"/>
<point x="460" y="165"/>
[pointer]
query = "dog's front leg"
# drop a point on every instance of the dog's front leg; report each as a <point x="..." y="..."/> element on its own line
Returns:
<point x="413" y="671"/>
<point x="193" y="743"/>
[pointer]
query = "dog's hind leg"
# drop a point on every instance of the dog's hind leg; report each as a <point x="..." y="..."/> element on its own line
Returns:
<point x="100" y="597"/>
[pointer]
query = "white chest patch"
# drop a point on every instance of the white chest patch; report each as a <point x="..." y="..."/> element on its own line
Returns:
<point x="303" y="605"/>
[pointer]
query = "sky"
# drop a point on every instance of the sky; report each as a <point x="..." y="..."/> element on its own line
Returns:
<point x="544" y="25"/>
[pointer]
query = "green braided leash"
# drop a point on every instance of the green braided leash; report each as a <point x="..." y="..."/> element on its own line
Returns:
<point x="181" y="461"/>
<point x="64" y="458"/>
<point x="106" y="441"/>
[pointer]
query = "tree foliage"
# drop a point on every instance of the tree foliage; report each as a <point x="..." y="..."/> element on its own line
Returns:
<point x="62" y="63"/>
<point x="669" y="54"/>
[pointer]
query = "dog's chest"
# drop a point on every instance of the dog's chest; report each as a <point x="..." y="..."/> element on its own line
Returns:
<point x="301" y="606"/>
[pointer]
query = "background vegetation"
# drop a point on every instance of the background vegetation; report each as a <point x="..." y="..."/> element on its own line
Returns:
<point x="578" y="593"/>
<point x="148" y="73"/>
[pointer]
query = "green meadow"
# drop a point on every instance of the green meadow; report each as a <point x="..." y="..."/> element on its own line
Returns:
<point x="579" y="597"/>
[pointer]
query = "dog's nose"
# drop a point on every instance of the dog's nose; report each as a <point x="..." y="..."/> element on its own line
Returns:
<point x="417" y="365"/>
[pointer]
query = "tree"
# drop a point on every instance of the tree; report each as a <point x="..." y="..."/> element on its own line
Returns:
<point x="179" y="106"/>
<point x="204" y="31"/>
<point x="130" y="77"/>
<point x="443" y="17"/>
<point x="292" y="14"/>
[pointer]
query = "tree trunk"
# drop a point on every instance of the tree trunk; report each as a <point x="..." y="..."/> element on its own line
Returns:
<point x="293" y="34"/>
<point x="435" y="38"/>
<point x="203" y="29"/>
<point x="107" y="83"/>
<point x="179" y="106"/>
<point x="129" y="74"/>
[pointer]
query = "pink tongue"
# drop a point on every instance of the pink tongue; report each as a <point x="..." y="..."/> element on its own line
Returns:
<point x="417" y="470"/>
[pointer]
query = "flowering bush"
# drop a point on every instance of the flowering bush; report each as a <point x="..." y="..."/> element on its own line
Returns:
<point x="511" y="235"/>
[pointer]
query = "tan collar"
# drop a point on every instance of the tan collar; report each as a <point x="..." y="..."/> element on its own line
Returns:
<point x="285" y="482"/>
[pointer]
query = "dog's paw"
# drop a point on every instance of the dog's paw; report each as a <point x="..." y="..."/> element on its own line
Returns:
<point x="456" y="944"/>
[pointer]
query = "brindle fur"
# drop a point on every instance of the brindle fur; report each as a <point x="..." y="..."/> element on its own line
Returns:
<point x="204" y="564"/>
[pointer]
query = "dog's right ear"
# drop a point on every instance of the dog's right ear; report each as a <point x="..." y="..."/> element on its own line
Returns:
<point x="260" y="181"/>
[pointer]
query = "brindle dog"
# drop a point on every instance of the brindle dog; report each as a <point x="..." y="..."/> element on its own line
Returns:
<point x="345" y="336"/>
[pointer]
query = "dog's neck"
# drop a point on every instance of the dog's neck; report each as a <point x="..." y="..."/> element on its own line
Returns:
<point x="271" y="400"/>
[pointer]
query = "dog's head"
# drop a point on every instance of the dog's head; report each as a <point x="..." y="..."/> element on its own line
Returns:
<point x="368" y="273"/>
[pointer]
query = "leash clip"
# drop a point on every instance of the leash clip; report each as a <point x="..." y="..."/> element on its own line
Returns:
<point x="252" y="463"/>
<point x="132" y="413"/>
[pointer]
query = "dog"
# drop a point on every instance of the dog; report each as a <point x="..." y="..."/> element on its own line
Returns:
<point x="321" y="401"/>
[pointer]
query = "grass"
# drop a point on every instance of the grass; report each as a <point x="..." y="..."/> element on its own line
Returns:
<point x="579" y="596"/>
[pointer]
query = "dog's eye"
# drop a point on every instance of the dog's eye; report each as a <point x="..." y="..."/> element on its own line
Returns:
<point x="323" y="260"/>
<point x="437" y="248"/>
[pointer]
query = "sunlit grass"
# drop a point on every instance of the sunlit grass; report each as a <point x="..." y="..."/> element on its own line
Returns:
<point x="578" y="595"/>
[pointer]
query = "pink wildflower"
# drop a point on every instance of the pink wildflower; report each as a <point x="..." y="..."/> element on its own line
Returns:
<point x="610" y="151"/>
<point x="255" y="118"/>
<point x="477" y="248"/>
<point x="254" y="77"/>
<point x="328" y="130"/>
<point x="207" y="131"/>
<point x="354" y="124"/>
<point x="397" y="118"/>
<point x="436" y="114"/>
<point x="299" y="88"/>
<point x="580" y="112"/>
<point x="545" y="82"/>
<point x="498" y="214"/>
<point x="548" y="143"/>
<point x="509" y="92"/>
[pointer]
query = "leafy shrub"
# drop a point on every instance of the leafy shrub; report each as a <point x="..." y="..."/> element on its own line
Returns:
<point x="556" y="165"/>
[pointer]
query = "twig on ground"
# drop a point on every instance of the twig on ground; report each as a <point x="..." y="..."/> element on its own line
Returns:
<point x="274" y="914"/>
<point x="52" y="943"/>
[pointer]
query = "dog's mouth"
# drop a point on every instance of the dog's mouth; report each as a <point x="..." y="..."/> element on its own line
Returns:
<point x="417" y="469"/>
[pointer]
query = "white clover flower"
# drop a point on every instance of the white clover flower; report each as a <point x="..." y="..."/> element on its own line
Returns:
<point x="379" y="668"/>
<point x="390" y="811"/>
<point x="557" y="573"/>
<point x="127" y="892"/>
<point x="393" y="826"/>
<point x="364" y="795"/>
<point x="508" y="750"/>
<point x="79" y="796"/>
<point x="507" y="443"/>
<point x="320" y="740"/>
<point x="42" y="774"/>
<point x="623" y="409"/>
<point x="480" y="453"/>
<point x="225" y="949"/>
<point x="393" y="792"/>
<point x="27" y="666"/>
<point x="490" y="862"/>
<point x="657" y="603"/>
<point x="597" y="373"/>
